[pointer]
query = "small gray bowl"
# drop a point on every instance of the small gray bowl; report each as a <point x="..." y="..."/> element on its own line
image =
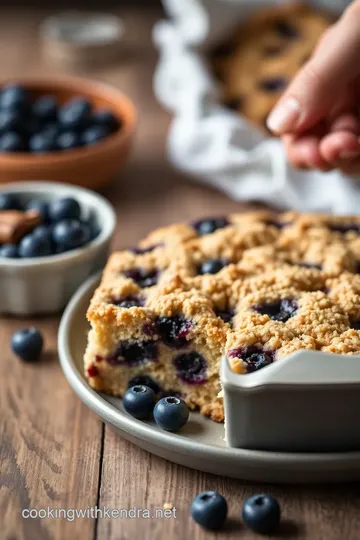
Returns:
<point x="44" y="285"/>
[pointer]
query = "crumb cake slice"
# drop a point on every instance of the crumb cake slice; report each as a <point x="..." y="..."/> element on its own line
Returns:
<point x="255" y="286"/>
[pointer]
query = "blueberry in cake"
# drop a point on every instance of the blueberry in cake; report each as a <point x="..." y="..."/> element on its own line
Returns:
<point x="254" y="287"/>
<point x="263" y="54"/>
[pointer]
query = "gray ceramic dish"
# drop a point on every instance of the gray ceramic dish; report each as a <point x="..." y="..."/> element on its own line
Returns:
<point x="310" y="401"/>
<point x="201" y="444"/>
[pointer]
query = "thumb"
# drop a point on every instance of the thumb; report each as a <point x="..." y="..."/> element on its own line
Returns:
<point x="314" y="91"/>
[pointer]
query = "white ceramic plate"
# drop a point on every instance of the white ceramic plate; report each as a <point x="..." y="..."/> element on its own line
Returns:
<point x="201" y="443"/>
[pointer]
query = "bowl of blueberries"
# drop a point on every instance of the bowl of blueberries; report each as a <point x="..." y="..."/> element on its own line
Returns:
<point x="53" y="236"/>
<point x="64" y="129"/>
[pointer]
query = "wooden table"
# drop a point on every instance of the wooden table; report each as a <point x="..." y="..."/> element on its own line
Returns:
<point x="54" y="451"/>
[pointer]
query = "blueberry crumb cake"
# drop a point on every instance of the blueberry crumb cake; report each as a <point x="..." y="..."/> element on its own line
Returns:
<point x="255" y="287"/>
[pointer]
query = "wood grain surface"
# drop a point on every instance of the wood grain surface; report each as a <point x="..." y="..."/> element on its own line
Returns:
<point x="55" y="452"/>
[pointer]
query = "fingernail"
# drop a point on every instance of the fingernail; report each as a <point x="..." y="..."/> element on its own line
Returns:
<point x="348" y="154"/>
<point x="284" y="116"/>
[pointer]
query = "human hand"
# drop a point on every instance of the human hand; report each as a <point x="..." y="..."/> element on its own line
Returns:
<point x="318" y="117"/>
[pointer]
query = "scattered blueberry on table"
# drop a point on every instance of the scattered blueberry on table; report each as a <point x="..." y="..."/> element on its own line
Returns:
<point x="261" y="513"/>
<point x="62" y="228"/>
<point x="209" y="509"/>
<point x="27" y="344"/>
<point x="139" y="401"/>
<point x="171" y="413"/>
<point x="42" y="124"/>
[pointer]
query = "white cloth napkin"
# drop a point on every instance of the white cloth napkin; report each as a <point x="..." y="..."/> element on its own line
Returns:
<point x="217" y="146"/>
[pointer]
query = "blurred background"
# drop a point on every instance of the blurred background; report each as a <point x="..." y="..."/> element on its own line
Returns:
<point x="148" y="187"/>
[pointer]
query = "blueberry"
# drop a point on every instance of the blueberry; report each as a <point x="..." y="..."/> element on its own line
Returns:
<point x="309" y="265"/>
<point x="10" y="120"/>
<point x="278" y="311"/>
<point x="94" y="228"/>
<point x="146" y="381"/>
<point x="133" y="354"/>
<point x="11" y="141"/>
<point x="70" y="234"/>
<point x="127" y="301"/>
<point x="9" y="251"/>
<point x="104" y="117"/>
<point x="171" y="413"/>
<point x="209" y="225"/>
<point x="261" y="513"/>
<point x="225" y="315"/>
<point x="40" y="206"/>
<point x="144" y="278"/>
<point x="142" y="250"/>
<point x="273" y="84"/>
<point x="173" y="330"/>
<point x="212" y="266"/>
<point x="255" y="358"/>
<point x="277" y="224"/>
<point x="286" y="30"/>
<point x="345" y="228"/>
<point x="40" y="143"/>
<point x="66" y="208"/>
<point x="68" y="140"/>
<point x="190" y="368"/>
<point x="45" y="108"/>
<point x="94" y="134"/>
<point x="27" y="344"/>
<point x="31" y="125"/>
<point x="139" y="401"/>
<point x="209" y="509"/>
<point x="33" y="246"/>
<point x="13" y="96"/>
<point x="51" y="130"/>
<point x="234" y="103"/>
<point x="75" y="113"/>
<point x="355" y="324"/>
<point x="44" y="232"/>
<point x="8" y="201"/>
<point x="93" y="225"/>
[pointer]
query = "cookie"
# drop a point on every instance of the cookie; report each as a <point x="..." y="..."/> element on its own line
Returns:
<point x="263" y="54"/>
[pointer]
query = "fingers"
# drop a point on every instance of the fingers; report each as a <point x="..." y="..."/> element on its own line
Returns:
<point x="329" y="145"/>
<point x="311" y="95"/>
<point x="339" y="146"/>
<point x="304" y="153"/>
<point x="342" y="143"/>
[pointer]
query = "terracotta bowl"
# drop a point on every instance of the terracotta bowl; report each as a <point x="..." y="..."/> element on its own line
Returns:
<point x="92" y="166"/>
